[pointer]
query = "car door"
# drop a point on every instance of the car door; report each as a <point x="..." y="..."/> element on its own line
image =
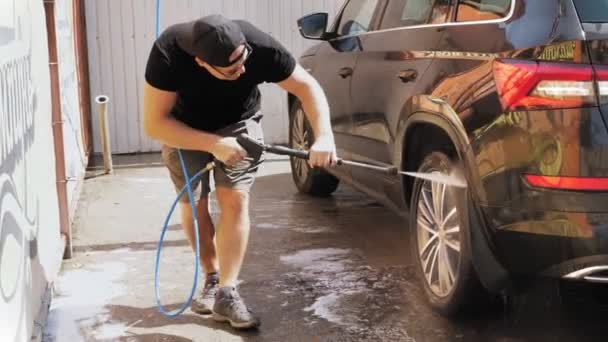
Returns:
<point x="390" y="71"/>
<point x="335" y="63"/>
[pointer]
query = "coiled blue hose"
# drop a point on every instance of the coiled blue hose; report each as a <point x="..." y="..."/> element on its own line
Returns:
<point x="188" y="187"/>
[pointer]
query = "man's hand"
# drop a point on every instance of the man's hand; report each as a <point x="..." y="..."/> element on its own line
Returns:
<point x="323" y="152"/>
<point x="228" y="151"/>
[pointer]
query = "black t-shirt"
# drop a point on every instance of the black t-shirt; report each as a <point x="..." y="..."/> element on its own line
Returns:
<point x="205" y="102"/>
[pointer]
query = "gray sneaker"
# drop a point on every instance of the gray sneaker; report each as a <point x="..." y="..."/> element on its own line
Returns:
<point x="203" y="303"/>
<point x="230" y="307"/>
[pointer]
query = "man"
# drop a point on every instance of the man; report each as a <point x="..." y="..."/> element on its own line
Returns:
<point x="201" y="91"/>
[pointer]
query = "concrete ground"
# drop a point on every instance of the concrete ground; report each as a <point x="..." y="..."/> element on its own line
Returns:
<point x="334" y="269"/>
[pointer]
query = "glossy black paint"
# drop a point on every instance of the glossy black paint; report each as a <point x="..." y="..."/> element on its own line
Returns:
<point x="404" y="80"/>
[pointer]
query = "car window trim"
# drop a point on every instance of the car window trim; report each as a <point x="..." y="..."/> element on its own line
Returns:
<point x="374" y="23"/>
<point x="451" y="15"/>
<point x="454" y="11"/>
<point x="338" y="18"/>
<point x="448" y="24"/>
<point x="379" y="14"/>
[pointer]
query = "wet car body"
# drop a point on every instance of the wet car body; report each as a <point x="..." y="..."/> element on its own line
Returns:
<point x="537" y="170"/>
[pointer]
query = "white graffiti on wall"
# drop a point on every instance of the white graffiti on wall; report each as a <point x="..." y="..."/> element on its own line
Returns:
<point x="18" y="232"/>
<point x="17" y="106"/>
<point x="17" y="244"/>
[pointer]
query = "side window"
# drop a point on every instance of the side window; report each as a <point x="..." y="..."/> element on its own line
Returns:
<point x="402" y="13"/>
<point x="475" y="10"/>
<point x="357" y="17"/>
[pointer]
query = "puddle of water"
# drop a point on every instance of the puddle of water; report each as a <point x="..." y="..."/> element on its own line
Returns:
<point x="329" y="260"/>
<point x="269" y="226"/>
<point x="341" y="287"/>
<point x="110" y="331"/>
<point x="313" y="230"/>
<point x="325" y="307"/>
<point x="329" y="270"/>
<point x="78" y="304"/>
<point x="184" y="332"/>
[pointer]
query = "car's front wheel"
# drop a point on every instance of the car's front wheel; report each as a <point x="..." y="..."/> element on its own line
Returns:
<point x="439" y="237"/>
<point x="317" y="182"/>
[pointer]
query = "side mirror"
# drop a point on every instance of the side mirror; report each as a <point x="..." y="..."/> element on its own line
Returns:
<point x="313" y="26"/>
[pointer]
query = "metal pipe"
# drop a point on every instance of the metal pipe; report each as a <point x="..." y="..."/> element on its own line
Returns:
<point x="390" y="170"/>
<point x="57" y="121"/>
<point x="102" y="101"/>
<point x="82" y="65"/>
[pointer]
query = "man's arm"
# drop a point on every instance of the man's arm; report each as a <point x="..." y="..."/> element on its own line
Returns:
<point x="302" y="85"/>
<point x="160" y="125"/>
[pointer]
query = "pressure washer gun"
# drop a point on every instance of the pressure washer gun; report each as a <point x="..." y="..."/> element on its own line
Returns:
<point x="256" y="148"/>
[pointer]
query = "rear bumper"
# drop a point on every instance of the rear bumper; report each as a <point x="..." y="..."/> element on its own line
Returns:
<point x="594" y="274"/>
<point x="549" y="243"/>
<point x="540" y="231"/>
<point x="590" y="269"/>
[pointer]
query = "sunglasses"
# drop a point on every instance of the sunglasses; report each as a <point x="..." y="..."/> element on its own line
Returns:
<point x="241" y="60"/>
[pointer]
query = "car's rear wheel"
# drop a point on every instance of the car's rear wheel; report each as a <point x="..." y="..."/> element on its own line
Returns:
<point x="311" y="181"/>
<point x="439" y="237"/>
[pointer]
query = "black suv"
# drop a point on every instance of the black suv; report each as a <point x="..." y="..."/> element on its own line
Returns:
<point x="511" y="95"/>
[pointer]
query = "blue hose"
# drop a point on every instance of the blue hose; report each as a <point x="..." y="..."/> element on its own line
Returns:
<point x="188" y="187"/>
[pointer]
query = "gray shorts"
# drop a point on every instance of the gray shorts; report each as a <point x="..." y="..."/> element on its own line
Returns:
<point x="237" y="177"/>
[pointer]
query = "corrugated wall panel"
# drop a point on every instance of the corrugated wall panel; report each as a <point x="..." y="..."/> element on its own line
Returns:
<point x="121" y="32"/>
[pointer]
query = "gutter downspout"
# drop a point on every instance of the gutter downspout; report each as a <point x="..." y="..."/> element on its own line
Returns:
<point x="61" y="181"/>
<point x="82" y="64"/>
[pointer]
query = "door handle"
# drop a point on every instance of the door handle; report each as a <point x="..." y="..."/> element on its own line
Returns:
<point x="346" y="72"/>
<point x="407" y="75"/>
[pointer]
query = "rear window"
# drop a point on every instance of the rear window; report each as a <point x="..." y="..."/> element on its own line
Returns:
<point x="592" y="11"/>
<point x="475" y="10"/>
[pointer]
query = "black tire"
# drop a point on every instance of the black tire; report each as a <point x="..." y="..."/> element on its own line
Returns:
<point x="316" y="182"/>
<point x="465" y="292"/>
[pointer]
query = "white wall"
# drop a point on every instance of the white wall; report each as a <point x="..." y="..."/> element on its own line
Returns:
<point x="121" y="32"/>
<point x="30" y="245"/>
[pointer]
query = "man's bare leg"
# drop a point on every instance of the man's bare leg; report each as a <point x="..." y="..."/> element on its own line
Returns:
<point x="233" y="233"/>
<point x="232" y="238"/>
<point x="206" y="234"/>
<point x="203" y="303"/>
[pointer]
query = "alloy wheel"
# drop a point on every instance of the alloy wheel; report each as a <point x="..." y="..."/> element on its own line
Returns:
<point x="438" y="233"/>
<point x="301" y="141"/>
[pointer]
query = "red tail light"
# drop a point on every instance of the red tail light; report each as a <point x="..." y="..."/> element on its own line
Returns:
<point x="601" y="74"/>
<point x="568" y="183"/>
<point x="529" y="85"/>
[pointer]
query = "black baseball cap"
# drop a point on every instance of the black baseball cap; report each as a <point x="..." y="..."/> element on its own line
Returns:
<point x="213" y="39"/>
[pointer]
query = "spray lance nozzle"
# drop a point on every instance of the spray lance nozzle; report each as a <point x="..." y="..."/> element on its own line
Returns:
<point x="256" y="148"/>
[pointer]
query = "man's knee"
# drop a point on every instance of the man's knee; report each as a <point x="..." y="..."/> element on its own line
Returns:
<point x="202" y="206"/>
<point x="233" y="201"/>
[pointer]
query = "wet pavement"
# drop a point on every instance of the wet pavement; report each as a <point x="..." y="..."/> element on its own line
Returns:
<point x="332" y="269"/>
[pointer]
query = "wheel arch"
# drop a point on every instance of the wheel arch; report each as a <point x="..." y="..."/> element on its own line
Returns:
<point x="434" y="116"/>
